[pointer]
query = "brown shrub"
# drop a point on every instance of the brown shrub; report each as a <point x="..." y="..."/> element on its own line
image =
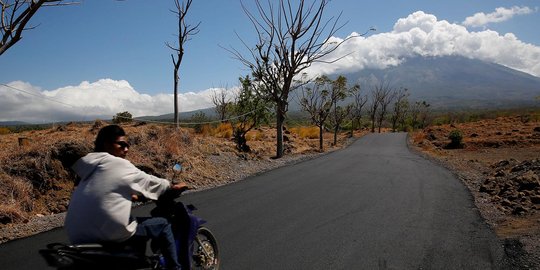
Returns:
<point x="306" y="132"/>
<point x="98" y="124"/>
<point x="16" y="194"/>
<point x="223" y="130"/>
<point x="10" y="214"/>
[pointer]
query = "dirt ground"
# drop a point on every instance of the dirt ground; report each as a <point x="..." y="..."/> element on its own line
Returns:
<point x="499" y="161"/>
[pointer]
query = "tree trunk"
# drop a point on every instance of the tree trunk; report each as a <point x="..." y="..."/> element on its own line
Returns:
<point x="176" y="65"/>
<point x="321" y="138"/>
<point x="280" y="119"/>
<point x="176" y="97"/>
<point x="335" y="135"/>
<point x="279" y="129"/>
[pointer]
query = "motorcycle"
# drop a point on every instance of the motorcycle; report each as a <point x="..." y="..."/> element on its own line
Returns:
<point x="197" y="247"/>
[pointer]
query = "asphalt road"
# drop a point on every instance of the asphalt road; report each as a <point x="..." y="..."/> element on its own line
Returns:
<point x="374" y="205"/>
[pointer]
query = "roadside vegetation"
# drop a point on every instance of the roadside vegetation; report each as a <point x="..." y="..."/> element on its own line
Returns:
<point x="35" y="180"/>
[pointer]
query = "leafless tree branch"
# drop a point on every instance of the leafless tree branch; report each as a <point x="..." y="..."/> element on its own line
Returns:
<point x="291" y="36"/>
<point x="185" y="31"/>
<point x="15" y="16"/>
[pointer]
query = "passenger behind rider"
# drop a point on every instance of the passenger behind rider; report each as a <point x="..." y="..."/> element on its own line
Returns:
<point x="100" y="206"/>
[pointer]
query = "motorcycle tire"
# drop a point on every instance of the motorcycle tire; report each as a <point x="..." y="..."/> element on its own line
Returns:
<point x="205" y="250"/>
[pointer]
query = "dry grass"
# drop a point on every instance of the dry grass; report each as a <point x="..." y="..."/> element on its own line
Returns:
<point x="16" y="199"/>
<point x="35" y="179"/>
<point x="223" y="130"/>
<point x="256" y="135"/>
<point x="306" y="132"/>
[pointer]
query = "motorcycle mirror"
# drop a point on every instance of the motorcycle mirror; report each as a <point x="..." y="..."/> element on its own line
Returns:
<point x="177" y="167"/>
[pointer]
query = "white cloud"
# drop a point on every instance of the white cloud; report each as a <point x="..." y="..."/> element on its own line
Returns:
<point x="501" y="14"/>
<point x="88" y="101"/>
<point x="419" y="34"/>
<point x="422" y="34"/>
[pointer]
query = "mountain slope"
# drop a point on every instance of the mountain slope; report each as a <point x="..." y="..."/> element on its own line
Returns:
<point x="450" y="82"/>
<point x="454" y="81"/>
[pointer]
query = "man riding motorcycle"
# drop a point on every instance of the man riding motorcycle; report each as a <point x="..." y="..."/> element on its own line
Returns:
<point x="100" y="206"/>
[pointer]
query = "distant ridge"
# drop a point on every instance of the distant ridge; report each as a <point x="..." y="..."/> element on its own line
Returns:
<point x="13" y="123"/>
<point x="447" y="83"/>
<point x="457" y="82"/>
<point x="184" y="116"/>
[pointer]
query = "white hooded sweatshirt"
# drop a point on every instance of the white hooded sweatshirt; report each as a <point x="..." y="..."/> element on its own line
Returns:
<point x="100" y="206"/>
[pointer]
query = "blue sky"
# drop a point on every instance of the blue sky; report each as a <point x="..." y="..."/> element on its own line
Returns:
<point x="120" y="46"/>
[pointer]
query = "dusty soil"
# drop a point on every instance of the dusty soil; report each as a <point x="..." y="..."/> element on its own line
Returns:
<point x="499" y="161"/>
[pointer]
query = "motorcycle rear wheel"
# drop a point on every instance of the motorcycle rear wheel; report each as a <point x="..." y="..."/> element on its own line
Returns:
<point x="205" y="250"/>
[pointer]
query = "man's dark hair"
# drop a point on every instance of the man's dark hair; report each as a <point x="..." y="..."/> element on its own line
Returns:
<point x="107" y="134"/>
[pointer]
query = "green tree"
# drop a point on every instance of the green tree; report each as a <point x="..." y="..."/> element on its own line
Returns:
<point x="248" y="111"/>
<point x="338" y="113"/>
<point x="456" y="137"/>
<point x="317" y="101"/>
<point x="199" y="119"/>
<point x="337" y="117"/>
<point x="122" y="117"/>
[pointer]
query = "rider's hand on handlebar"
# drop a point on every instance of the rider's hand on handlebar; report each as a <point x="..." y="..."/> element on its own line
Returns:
<point x="182" y="186"/>
<point x="138" y="198"/>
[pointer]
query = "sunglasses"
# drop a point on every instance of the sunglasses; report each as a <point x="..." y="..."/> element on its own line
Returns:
<point x="122" y="144"/>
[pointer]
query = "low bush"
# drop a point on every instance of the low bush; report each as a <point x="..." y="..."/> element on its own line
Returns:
<point x="17" y="200"/>
<point x="456" y="139"/>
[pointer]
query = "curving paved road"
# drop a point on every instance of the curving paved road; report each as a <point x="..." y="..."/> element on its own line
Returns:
<point x="374" y="205"/>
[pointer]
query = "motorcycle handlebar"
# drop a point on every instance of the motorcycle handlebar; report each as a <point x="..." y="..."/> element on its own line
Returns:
<point x="169" y="194"/>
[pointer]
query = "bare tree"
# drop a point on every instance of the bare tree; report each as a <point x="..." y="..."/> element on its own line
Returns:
<point x="185" y="31"/>
<point x="221" y="103"/>
<point x="16" y="15"/>
<point x="387" y="95"/>
<point x="290" y="39"/>
<point x="424" y="114"/>
<point x="381" y="96"/>
<point x="374" y="106"/>
<point x="400" y="109"/>
<point x="360" y="100"/>
<point x="420" y="114"/>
